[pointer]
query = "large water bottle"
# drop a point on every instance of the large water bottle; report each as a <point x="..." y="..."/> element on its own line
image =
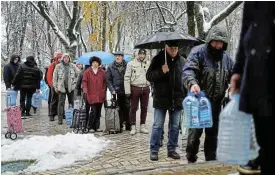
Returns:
<point x="77" y="104"/>
<point x="234" y="134"/>
<point x="69" y="115"/>
<point x="191" y="111"/>
<point x="205" y="112"/>
<point x="11" y="98"/>
<point x="37" y="99"/>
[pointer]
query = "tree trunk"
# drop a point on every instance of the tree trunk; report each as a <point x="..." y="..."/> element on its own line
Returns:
<point x="118" y="35"/>
<point x="104" y="21"/>
<point x="24" y="26"/>
<point x="199" y="20"/>
<point x="191" y="18"/>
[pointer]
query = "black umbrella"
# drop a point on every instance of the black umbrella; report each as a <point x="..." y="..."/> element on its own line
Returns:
<point x="159" y="39"/>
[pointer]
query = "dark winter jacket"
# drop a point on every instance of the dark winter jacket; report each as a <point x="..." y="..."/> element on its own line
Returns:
<point x="167" y="87"/>
<point x="10" y="71"/>
<point x="28" y="75"/>
<point x="115" y="78"/>
<point x="78" y="87"/>
<point x="211" y="74"/>
<point x="254" y="58"/>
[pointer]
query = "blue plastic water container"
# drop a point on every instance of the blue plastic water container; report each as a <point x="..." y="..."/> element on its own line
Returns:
<point x="69" y="115"/>
<point x="36" y="99"/>
<point x="11" y="98"/>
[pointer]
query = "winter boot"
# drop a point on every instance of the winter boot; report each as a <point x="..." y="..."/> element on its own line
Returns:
<point x="28" y="113"/>
<point x="143" y="129"/>
<point x="60" y="122"/>
<point x="133" y="130"/>
<point x="51" y="118"/>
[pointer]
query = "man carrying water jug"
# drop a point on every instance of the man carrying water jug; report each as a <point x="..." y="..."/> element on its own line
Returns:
<point x="27" y="78"/>
<point x="168" y="96"/>
<point x="64" y="82"/>
<point x="208" y="69"/>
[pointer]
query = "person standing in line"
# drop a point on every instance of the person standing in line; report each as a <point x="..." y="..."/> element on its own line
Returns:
<point x="64" y="82"/>
<point x="115" y="84"/>
<point x="137" y="88"/>
<point x="94" y="86"/>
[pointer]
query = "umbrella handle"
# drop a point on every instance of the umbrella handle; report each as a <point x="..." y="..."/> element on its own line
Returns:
<point x="165" y="54"/>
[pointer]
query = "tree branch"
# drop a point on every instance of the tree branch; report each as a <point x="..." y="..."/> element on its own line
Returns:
<point x="223" y="14"/>
<point x="66" y="9"/>
<point x="55" y="28"/>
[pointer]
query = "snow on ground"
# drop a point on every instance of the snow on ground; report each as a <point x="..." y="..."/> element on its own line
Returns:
<point x="53" y="152"/>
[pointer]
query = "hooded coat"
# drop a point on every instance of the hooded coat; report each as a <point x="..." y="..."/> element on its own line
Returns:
<point x="10" y="71"/>
<point x="28" y="75"/>
<point x="211" y="71"/>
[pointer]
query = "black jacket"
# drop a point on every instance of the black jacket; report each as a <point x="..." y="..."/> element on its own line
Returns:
<point x="254" y="59"/>
<point x="28" y="76"/>
<point x="10" y="71"/>
<point x="212" y="75"/>
<point x="115" y="79"/>
<point x="167" y="88"/>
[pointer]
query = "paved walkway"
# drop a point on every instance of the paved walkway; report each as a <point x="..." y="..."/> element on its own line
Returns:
<point x="128" y="155"/>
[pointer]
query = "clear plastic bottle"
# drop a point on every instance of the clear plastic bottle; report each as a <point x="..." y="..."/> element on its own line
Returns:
<point x="205" y="112"/>
<point x="191" y="111"/>
<point x="234" y="134"/>
<point x="77" y="104"/>
<point x="69" y="115"/>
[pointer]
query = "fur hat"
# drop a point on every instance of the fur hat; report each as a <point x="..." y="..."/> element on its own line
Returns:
<point x="92" y="59"/>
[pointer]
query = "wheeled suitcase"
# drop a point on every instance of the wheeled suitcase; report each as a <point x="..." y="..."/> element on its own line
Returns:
<point x="14" y="122"/>
<point x="112" y="121"/>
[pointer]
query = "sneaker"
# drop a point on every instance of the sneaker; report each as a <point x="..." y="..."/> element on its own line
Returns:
<point x="173" y="155"/>
<point x="154" y="157"/>
<point x="143" y="129"/>
<point x="133" y="130"/>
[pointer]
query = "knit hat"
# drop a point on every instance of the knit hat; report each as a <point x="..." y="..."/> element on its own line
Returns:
<point x="92" y="59"/>
<point x="142" y="51"/>
<point x="119" y="53"/>
<point x="66" y="54"/>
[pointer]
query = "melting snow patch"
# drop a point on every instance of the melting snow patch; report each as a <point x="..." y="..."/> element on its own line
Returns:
<point x="53" y="152"/>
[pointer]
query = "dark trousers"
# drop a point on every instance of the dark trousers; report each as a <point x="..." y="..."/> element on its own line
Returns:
<point x="124" y="109"/>
<point x="49" y="100"/>
<point x="142" y="95"/>
<point x="26" y="104"/>
<point x="264" y="135"/>
<point x="93" y="113"/>
<point x="61" y="102"/>
<point x="54" y="103"/>
<point x="210" y="142"/>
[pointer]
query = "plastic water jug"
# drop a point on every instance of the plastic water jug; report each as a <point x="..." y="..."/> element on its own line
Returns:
<point x="69" y="115"/>
<point x="11" y="98"/>
<point x="36" y="99"/>
<point x="191" y="111"/>
<point x="205" y="112"/>
<point x="77" y="104"/>
<point x="235" y="135"/>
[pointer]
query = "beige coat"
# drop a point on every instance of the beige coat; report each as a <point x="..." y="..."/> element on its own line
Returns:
<point x="59" y="76"/>
<point x="135" y="75"/>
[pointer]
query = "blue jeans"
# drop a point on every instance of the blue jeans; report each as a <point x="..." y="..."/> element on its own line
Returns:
<point x="157" y="129"/>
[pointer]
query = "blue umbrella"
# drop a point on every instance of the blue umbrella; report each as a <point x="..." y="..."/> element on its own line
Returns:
<point x="106" y="57"/>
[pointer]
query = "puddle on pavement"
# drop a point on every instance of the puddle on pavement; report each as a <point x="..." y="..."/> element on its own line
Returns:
<point x="15" y="166"/>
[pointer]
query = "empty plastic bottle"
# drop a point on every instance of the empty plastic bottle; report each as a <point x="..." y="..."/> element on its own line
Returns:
<point x="11" y="98"/>
<point x="205" y="112"/>
<point x="191" y="111"/>
<point x="69" y="115"/>
<point x="37" y="99"/>
<point x="77" y="104"/>
<point x="234" y="134"/>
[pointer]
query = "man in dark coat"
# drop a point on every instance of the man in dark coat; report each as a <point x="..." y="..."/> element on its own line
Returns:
<point x="168" y="96"/>
<point x="208" y="68"/>
<point x="28" y="80"/>
<point x="115" y="84"/>
<point x="10" y="71"/>
<point x="254" y="65"/>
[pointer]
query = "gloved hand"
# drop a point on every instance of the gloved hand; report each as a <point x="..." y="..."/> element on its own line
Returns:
<point x="128" y="100"/>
